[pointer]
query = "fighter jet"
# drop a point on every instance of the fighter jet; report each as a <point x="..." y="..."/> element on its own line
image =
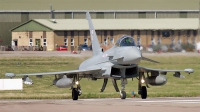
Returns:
<point x="120" y="62"/>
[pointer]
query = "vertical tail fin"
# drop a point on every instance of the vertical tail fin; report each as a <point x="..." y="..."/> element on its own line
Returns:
<point x="95" y="43"/>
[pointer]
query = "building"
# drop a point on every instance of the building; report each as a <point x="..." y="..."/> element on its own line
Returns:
<point x="14" y="13"/>
<point x="72" y="32"/>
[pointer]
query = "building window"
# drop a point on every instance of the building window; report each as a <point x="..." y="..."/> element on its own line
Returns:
<point x="179" y="38"/>
<point x="138" y="38"/>
<point x="85" y="34"/>
<point x="139" y="41"/>
<point x="152" y="41"/>
<point x="86" y="41"/>
<point x="188" y="36"/>
<point x="111" y="37"/>
<point x="183" y="14"/>
<point x="179" y="33"/>
<point x="188" y="33"/>
<point x="194" y="38"/>
<point x="165" y="34"/>
<point x="111" y="33"/>
<point x="65" y="41"/>
<point x="152" y="38"/>
<point x="72" y="38"/>
<point x="132" y="33"/>
<point x="159" y="39"/>
<point x="85" y="38"/>
<point x="44" y="42"/>
<point x="100" y="15"/>
<point x="142" y="14"/>
<point x="72" y="41"/>
<point x="105" y="33"/>
<point x="30" y="42"/>
<point x="111" y="40"/>
<point x="105" y="41"/>
<point x="138" y="33"/>
<point x="172" y="38"/>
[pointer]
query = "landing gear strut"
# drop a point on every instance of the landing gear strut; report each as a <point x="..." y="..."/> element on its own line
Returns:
<point x="76" y="91"/>
<point x="142" y="90"/>
<point x="122" y="92"/>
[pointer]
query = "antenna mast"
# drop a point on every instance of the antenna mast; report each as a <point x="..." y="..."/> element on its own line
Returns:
<point x="51" y="10"/>
<point x="198" y="37"/>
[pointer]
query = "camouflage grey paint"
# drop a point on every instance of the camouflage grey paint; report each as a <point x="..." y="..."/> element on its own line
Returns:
<point x="156" y="80"/>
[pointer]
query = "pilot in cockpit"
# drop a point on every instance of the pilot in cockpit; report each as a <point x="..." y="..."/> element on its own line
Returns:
<point x="126" y="41"/>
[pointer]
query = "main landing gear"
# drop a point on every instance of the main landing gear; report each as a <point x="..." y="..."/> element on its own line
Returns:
<point x="142" y="90"/>
<point x="76" y="91"/>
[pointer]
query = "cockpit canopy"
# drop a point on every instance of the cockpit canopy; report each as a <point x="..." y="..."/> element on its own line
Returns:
<point x="125" y="41"/>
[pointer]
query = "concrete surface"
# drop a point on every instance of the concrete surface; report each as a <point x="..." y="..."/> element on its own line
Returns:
<point x="103" y="105"/>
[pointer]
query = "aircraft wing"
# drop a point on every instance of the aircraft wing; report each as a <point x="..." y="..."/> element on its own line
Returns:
<point x="162" y="71"/>
<point x="70" y="72"/>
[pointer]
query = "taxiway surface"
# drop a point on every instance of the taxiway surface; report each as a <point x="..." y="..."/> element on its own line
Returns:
<point x="103" y="105"/>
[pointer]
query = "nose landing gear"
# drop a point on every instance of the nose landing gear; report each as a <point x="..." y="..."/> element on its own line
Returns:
<point x="122" y="92"/>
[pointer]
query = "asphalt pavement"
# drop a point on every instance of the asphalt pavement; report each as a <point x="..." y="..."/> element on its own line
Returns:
<point x="103" y="105"/>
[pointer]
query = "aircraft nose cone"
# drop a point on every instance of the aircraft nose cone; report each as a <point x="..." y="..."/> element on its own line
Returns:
<point x="132" y="56"/>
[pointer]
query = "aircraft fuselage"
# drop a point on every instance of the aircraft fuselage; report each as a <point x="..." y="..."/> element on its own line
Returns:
<point x="115" y="56"/>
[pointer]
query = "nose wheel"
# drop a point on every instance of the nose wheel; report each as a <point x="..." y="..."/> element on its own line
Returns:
<point x="123" y="94"/>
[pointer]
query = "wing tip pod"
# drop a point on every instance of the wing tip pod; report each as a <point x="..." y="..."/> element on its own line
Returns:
<point x="189" y="70"/>
<point x="10" y="75"/>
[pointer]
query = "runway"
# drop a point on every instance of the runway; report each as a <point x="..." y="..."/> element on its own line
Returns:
<point x="103" y="105"/>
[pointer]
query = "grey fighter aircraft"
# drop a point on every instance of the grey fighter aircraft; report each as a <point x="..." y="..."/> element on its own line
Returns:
<point x="117" y="63"/>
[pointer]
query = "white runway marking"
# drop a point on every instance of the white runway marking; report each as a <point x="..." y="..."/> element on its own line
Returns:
<point x="149" y="100"/>
<point x="171" y="101"/>
<point x="132" y="100"/>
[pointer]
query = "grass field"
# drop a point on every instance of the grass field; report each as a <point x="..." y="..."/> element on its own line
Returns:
<point x="42" y="89"/>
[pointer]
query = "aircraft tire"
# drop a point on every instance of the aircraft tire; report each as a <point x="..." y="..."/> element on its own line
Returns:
<point x="74" y="94"/>
<point x="123" y="95"/>
<point x="144" y="92"/>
